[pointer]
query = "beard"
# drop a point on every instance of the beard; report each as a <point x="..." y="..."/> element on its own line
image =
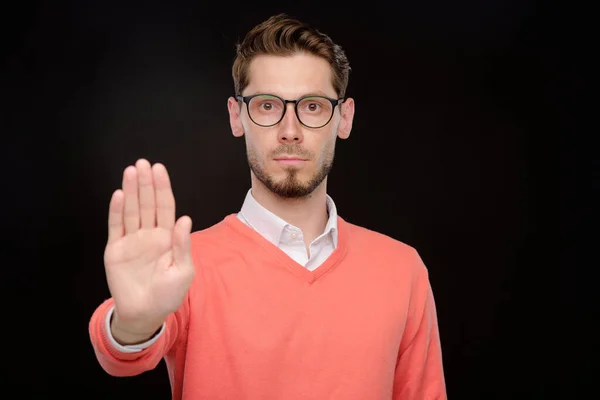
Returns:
<point x="291" y="186"/>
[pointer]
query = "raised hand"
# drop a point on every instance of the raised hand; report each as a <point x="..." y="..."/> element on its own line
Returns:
<point x="147" y="258"/>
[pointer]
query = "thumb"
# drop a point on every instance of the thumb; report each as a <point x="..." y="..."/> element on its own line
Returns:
<point x="182" y="240"/>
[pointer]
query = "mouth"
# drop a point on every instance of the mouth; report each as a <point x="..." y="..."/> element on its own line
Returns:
<point x="290" y="161"/>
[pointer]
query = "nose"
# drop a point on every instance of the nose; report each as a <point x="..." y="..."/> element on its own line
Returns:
<point x="290" y="129"/>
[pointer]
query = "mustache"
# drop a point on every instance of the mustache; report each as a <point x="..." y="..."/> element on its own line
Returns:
<point x="291" y="150"/>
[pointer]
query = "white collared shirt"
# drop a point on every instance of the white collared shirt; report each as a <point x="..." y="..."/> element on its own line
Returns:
<point x="290" y="238"/>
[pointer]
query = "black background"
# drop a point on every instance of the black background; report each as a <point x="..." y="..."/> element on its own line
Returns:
<point x="464" y="146"/>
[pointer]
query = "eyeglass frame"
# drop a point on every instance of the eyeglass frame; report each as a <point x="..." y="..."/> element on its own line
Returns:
<point x="334" y="104"/>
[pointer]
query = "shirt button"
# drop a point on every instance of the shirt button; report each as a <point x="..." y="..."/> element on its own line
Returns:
<point x="294" y="235"/>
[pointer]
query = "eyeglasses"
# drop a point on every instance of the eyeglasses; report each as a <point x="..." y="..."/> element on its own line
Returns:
<point x="268" y="110"/>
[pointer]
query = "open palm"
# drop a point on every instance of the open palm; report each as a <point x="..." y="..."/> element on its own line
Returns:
<point x="147" y="258"/>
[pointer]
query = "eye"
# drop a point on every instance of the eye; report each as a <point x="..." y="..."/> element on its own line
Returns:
<point x="266" y="106"/>
<point x="312" y="107"/>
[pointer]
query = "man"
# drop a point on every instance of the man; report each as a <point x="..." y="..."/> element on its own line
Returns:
<point x="285" y="299"/>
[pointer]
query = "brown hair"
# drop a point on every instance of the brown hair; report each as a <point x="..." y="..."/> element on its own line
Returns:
<point x="283" y="36"/>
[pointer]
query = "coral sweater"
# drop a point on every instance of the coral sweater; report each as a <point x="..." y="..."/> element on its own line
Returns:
<point x="257" y="325"/>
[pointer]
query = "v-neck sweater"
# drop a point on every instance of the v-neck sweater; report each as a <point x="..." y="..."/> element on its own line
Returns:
<point x="255" y="324"/>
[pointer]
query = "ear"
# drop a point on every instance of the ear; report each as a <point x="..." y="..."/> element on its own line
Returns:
<point x="235" y="119"/>
<point x="347" y="110"/>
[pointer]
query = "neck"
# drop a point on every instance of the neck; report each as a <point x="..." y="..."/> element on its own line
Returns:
<point x="307" y="213"/>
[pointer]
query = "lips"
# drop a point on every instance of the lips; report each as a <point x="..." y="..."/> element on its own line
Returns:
<point x="290" y="161"/>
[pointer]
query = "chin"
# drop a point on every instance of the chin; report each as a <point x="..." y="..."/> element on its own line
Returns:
<point x="288" y="181"/>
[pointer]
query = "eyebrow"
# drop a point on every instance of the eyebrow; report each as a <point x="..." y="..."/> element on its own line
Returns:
<point x="316" y="93"/>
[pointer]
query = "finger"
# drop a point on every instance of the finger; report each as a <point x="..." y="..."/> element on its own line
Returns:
<point x="182" y="241"/>
<point x="115" y="216"/>
<point x="132" y="212"/>
<point x="165" y="202"/>
<point x="146" y="194"/>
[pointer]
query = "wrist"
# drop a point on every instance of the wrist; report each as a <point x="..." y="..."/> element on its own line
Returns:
<point x="130" y="334"/>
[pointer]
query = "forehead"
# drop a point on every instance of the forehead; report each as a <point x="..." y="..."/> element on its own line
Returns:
<point x="290" y="76"/>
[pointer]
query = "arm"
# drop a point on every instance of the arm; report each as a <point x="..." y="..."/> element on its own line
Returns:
<point x="419" y="369"/>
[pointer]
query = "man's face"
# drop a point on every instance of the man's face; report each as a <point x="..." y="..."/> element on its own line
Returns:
<point x="290" y="159"/>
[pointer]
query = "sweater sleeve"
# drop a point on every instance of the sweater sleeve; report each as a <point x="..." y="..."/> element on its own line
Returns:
<point x="120" y="363"/>
<point x="419" y="368"/>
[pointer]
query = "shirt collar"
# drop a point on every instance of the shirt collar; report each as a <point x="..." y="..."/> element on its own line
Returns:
<point x="271" y="226"/>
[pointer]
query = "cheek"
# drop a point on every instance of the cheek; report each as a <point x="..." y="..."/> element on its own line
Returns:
<point x="327" y="150"/>
<point x="254" y="147"/>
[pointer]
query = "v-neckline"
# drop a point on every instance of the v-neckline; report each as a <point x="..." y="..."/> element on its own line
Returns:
<point x="298" y="270"/>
